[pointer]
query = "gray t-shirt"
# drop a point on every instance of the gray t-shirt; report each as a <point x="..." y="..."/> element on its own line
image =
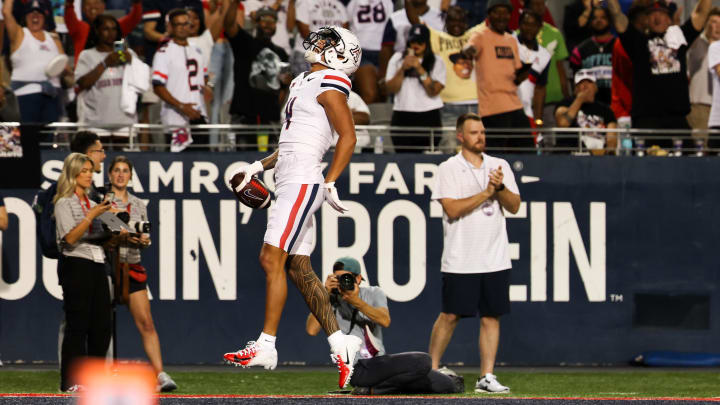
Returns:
<point x="375" y="297"/>
<point x="68" y="214"/>
<point x="100" y="104"/>
<point x="138" y="212"/>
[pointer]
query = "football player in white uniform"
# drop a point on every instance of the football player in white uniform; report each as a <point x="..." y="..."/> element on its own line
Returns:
<point x="317" y="105"/>
<point x="179" y="78"/>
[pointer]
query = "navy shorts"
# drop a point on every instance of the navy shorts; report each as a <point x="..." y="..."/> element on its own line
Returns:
<point x="467" y="295"/>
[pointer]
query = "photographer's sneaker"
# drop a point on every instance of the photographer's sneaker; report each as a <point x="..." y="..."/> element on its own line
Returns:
<point x="344" y="354"/>
<point x="490" y="384"/>
<point x="165" y="383"/>
<point x="254" y="354"/>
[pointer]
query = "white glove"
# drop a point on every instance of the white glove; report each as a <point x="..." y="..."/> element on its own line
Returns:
<point x="249" y="171"/>
<point x="331" y="196"/>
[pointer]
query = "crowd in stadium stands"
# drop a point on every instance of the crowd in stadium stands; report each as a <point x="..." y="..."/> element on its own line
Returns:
<point x="424" y="63"/>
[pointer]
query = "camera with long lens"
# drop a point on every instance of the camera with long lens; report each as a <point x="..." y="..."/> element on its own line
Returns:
<point x="346" y="282"/>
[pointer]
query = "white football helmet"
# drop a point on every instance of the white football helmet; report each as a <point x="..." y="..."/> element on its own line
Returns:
<point x="340" y="47"/>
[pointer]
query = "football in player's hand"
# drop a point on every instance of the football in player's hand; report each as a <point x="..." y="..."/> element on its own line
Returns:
<point x="255" y="194"/>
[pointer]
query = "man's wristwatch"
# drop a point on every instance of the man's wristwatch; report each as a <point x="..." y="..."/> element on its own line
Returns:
<point x="501" y="187"/>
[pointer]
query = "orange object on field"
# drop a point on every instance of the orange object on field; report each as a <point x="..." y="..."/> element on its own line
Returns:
<point x="122" y="383"/>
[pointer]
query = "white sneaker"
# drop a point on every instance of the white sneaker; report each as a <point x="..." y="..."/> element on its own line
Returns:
<point x="489" y="383"/>
<point x="254" y="354"/>
<point x="343" y="354"/>
<point x="165" y="383"/>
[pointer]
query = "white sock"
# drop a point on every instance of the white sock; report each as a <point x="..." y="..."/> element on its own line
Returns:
<point x="267" y="340"/>
<point x="335" y="339"/>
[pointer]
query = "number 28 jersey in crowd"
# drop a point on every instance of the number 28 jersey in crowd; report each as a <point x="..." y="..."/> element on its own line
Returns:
<point x="367" y="21"/>
<point x="306" y="132"/>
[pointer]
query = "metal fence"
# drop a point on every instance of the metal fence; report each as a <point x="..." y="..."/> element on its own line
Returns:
<point x="384" y="139"/>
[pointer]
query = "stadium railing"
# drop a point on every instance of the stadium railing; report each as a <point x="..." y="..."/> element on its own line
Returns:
<point x="377" y="139"/>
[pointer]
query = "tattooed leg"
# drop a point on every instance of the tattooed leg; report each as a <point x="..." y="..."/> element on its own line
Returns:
<point x="317" y="298"/>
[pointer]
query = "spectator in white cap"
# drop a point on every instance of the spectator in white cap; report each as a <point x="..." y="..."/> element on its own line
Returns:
<point x="584" y="111"/>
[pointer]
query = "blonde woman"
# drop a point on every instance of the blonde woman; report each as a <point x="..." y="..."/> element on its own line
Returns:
<point x="120" y="173"/>
<point x="82" y="272"/>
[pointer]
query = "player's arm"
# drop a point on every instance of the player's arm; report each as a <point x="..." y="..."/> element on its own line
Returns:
<point x="312" y="326"/>
<point x="270" y="161"/>
<point x="340" y="117"/>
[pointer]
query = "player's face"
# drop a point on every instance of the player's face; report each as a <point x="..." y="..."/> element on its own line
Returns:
<point x="658" y="22"/>
<point x="267" y="25"/>
<point x="180" y="27"/>
<point x="529" y="28"/>
<point x="35" y="20"/>
<point x="472" y="136"/>
<point x="499" y="18"/>
<point x="84" y="178"/>
<point x="120" y="175"/>
<point x="108" y="32"/>
<point x="97" y="154"/>
<point x="93" y="8"/>
<point x="194" y="20"/>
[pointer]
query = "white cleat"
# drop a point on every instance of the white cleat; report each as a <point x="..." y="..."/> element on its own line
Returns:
<point x="344" y="356"/>
<point x="253" y="354"/>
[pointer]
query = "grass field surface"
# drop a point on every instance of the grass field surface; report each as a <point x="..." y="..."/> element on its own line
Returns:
<point x="565" y="383"/>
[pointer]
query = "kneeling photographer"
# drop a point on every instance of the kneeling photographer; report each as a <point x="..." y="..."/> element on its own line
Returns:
<point x="362" y="311"/>
<point x="132" y="211"/>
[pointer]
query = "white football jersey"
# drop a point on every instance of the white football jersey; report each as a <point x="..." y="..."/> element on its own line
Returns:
<point x="539" y="60"/>
<point x="367" y="21"/>
<point x="306" y="132"/>
<point x="181" y="69"/>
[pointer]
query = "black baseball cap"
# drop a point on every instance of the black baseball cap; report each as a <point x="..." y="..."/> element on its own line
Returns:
<point x="419" y="33"/>
<point x="264" y="11"/>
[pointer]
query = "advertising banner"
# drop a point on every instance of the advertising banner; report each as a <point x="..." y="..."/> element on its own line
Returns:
<point x="611" y="257"/>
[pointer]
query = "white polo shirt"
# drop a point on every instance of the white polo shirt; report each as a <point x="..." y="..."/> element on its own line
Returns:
<point x="477" y="242"/>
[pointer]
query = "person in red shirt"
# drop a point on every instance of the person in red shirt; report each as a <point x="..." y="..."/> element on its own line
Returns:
<point x="621" y="84"/>
<point x="79" y="30"/>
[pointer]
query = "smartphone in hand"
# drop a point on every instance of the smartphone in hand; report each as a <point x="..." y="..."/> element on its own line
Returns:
<point x="109" y="197"/>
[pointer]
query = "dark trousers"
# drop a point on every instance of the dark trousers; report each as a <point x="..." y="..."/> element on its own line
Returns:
<point x="414" y="141"/>
<point x="88" y="314"/>
<point x="406" y="373"/>
<point x="38" y="108"/>
<point x="660" y="139"/>
<point x="521" y="142"/>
